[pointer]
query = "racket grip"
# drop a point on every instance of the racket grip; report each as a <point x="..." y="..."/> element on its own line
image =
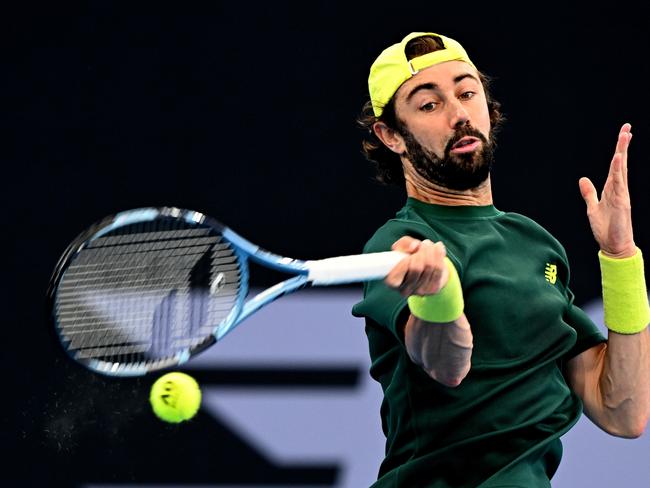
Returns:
<point x="351" y="269"/>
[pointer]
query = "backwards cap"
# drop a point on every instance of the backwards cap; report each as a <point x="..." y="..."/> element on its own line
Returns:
<point x="392" y="68"/>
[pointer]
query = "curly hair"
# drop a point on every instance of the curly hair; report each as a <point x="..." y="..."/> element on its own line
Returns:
<point x="388" y="164"/>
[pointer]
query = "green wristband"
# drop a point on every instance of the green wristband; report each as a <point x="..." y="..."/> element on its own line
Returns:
<point x="625" y="298"/>
<point x="445" y="306"/>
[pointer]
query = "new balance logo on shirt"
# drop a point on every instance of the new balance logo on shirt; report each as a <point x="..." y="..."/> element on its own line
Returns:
<point x="550" y="273"/>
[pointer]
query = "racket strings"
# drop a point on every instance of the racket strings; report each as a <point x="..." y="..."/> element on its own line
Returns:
<point x="145" y="295"/>
<point x="148" y="273"/>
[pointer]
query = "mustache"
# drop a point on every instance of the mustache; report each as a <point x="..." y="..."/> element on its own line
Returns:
<point x="464" y="132"/>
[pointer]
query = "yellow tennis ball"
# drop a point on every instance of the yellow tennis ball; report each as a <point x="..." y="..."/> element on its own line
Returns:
<point x="175" y="397"/>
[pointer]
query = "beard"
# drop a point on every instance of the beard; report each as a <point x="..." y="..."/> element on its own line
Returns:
<point x="453" y="171"/>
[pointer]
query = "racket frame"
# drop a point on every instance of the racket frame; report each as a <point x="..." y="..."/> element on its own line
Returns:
<point x="244" y="251"/>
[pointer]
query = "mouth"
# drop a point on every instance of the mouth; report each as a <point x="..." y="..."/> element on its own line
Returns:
<point x="465" y="145"/>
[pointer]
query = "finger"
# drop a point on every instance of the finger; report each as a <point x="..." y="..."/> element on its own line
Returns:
<point x="406" y="244"/>
<point x="625" y="129"/>
<point x="411" y="281"/>
<point x="396" y="277"/>
<point x="616" y="176"/>
<point x="588" y="192"/>
<point x="621" y="141"/>
<point x="402" y="276"/>
<point x="618" y="179"/>
<point x="405" y="273"/>
<point x="429" y="269"/>
<point x="422" y="265"/>
<point x="438" y="274"/>
<point x="625" y="136"/>
<point x="428" y="261"/>
<point x="414" y="271"/>
<point x="622" y="144"/>
<point x="624" y="165"/>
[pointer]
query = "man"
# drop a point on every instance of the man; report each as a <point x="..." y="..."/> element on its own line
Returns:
<point x="483" y="358"/>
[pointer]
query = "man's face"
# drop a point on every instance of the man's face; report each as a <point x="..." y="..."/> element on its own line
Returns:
<point x="446" y="125"/>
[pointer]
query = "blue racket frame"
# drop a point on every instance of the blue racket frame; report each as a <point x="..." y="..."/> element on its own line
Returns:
<point x="244" y="251"/>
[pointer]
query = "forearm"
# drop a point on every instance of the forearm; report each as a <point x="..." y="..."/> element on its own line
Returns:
<point x="625" y="384"/>
<point x="623" y="381"/>
<point x="436" y="332"/>
<point x="444" y="350"/>
<point x="614" y="379"/>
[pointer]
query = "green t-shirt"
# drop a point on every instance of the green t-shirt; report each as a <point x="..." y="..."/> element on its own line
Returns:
<point x="501" y="426"/>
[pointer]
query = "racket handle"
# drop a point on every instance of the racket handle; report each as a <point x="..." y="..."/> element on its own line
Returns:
<point x="351" y="269"/>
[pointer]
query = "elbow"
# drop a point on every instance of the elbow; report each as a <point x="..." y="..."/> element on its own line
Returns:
<point x="631" y="428"/>
<point x="629" y="432"/>
<point x="448" y="378"/>
<point x="452" y="382"/>
<point x="636" y="432"/>
<point x="638" y="428"/>
<point x="625" y="416"/>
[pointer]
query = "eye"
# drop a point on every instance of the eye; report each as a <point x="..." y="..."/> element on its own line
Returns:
<point x="467" y="95"/>
<point x="428" y="107"/>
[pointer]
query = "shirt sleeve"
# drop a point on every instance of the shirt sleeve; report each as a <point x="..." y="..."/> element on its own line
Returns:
<point x="588" y="334"/>
<point x="382" y="304"/>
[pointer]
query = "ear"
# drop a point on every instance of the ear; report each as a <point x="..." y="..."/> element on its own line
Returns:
<point x="390" y="137"/>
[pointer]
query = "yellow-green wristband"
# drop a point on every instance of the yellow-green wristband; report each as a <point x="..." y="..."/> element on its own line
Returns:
<point x="445" y="306"/>
<point x="625" y="297"/>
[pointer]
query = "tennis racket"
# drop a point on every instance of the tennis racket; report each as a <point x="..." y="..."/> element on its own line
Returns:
<point x="149" y="288"/>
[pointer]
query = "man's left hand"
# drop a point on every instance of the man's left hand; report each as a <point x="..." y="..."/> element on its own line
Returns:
<point x="611" y="217"/>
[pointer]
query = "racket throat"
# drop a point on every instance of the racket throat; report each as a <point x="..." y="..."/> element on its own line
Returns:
<point x="267" y="296"/>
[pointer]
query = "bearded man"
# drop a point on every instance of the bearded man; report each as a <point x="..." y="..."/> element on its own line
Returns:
<point x="482" y="355"/>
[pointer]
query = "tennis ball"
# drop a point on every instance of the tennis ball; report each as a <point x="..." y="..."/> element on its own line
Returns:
<point x="175" y="397"/>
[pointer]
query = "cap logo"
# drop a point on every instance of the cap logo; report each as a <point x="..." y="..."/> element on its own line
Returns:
<point x="412" y="69"/>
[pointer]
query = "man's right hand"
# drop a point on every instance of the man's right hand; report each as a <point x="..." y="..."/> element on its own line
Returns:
<point x="422" y="273"/>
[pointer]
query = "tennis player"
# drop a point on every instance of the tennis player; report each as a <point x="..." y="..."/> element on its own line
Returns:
<point x="483" y="357"/>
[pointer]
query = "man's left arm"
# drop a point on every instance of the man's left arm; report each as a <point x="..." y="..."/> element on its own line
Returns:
<point x="613" y="379"/>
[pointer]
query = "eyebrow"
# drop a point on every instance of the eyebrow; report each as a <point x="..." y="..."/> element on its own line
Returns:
<point x="433" y="86"/>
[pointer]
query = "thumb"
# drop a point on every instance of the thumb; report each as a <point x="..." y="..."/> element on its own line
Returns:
<point x="588" y="192"/>
<point x="406" y="244"/>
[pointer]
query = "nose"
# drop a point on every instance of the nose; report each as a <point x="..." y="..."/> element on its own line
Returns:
<point x="458" y="115"/>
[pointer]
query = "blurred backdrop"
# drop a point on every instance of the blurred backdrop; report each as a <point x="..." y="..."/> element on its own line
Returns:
<point x="246" y="112"/>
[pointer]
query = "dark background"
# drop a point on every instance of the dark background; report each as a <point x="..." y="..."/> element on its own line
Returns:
<point x="246" y="112"/>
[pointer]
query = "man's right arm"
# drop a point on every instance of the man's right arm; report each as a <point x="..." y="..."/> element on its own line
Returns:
<point x="442" y="349"/>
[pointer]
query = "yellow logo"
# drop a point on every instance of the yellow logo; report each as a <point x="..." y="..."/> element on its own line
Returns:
<point x="550" y="273"/>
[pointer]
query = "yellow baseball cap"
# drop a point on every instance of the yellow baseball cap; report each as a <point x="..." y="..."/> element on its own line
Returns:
<point x="392" y="68"/>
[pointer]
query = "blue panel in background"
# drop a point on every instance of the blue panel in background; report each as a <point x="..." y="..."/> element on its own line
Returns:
<point x="291" y="422"/>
